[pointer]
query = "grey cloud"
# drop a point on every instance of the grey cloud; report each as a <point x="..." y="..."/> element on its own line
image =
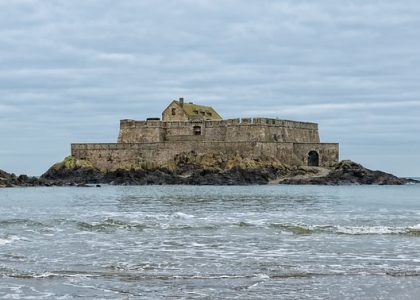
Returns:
<point x="70" y="70"/>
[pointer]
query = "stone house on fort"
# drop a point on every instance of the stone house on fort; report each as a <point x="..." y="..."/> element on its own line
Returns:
<point x="187" y="127"/>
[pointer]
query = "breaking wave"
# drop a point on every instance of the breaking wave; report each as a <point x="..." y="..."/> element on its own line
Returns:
<point x="347" y="230"/>
<point x="8" y="240"/>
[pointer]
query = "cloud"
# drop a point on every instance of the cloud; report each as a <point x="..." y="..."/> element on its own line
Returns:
<point x="70" y="70"/>
<point x="7" y="108"/>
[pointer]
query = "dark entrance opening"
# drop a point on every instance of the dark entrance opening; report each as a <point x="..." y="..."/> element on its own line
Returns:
<point x="313" y="159"/>
<point x="197" y="130"/>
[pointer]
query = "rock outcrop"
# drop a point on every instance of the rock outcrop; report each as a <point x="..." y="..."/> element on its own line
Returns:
<point x="217" y="169"/>
<point x="188" y="168"/>
<point x="11" y="180"/>
<point x="349" y="172"/>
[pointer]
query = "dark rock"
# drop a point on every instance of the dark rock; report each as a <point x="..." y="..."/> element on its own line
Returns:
<point x="215" y="170"/>
<point x="75" y="175"/>
<point x="349" y="172"/>
<point x="11" y="180"/>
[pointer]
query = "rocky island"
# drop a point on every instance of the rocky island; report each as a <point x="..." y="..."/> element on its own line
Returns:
<point x="212" y="169"/>
<point x="192" y="144"/>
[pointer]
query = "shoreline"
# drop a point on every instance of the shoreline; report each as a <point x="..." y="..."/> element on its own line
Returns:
<point x="81" y="174"/>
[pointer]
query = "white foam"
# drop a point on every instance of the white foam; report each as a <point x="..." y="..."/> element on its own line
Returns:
<point x="415" y="227"/>
<point x="368" y="230"/>
<point x="8" y="240"/>
<point x="262" y="276"/>
<point x="182" y="215"/>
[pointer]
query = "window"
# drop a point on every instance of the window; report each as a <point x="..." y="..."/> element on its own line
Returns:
<point x="209" y="114"/>
<point x="173" y="111"/>
<point x="197" y="130"/>
<point x="196" y="112"/>
<point x="202" y="113"/>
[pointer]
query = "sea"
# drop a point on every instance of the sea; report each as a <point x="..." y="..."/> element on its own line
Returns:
<point x="210" y="242"/>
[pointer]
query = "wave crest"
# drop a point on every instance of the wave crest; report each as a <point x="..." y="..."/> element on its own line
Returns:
<point x="347" y="230"/>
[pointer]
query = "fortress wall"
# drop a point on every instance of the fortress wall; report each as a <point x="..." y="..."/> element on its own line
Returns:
<point x="299" y="135"/>
<point x="140" y="131"/>
<point x="265" y="121"/>
<point x="210" y="130"/>
<point x="246" y="129"/>
<point x="109" y="156"/>
<point x="237" y="121"/>
<point x="247" y="132"/>
<point x="215" y="132"/>
<point x="328" y="153"/>
<point x="185" y="138"/>
<point x="179" y="128"/>
<point x="271" y="133"/>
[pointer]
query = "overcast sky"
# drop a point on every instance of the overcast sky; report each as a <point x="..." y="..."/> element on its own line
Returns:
<point x="70" y="70"/>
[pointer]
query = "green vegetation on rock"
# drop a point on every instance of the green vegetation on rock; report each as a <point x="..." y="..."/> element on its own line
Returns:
<point x="136" y="166"/>
<point x="71" y="162"/>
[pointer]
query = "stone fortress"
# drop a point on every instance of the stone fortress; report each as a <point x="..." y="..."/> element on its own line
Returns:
<point x="187" y="127"/>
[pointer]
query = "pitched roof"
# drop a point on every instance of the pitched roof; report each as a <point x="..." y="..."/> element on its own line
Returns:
<point x="195" y="111"/>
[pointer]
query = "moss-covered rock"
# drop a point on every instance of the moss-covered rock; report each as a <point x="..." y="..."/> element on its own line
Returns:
<point x="73" y="170"/>
<point x="70" y="162"/>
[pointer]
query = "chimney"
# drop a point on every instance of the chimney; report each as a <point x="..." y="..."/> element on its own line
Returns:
<point x="181" y="102"/>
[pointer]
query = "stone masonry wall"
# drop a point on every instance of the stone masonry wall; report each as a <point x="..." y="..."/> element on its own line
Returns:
<point x="233" y="130"/>
<point x="110" y="156"/>
<point x="140" y="131"/>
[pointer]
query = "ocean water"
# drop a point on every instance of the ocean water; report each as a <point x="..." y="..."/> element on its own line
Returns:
<point x="199" y="242"/>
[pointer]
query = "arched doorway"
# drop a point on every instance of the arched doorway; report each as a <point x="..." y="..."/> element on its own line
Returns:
<point x="313" y="159"/>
